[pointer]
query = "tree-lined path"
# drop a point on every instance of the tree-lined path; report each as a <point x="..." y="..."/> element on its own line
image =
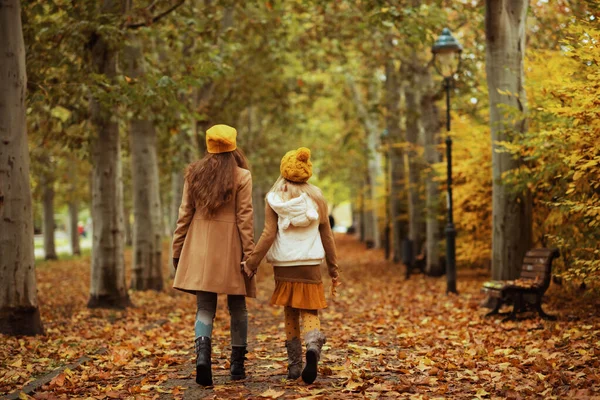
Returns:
<point x="387" y="338"/>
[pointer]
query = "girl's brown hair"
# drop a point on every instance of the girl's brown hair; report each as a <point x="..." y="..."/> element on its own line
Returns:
<point x="211" y="179"/>
<point x="288" y="190"/>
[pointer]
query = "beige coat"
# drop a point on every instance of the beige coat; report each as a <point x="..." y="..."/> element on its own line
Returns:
<point x="210" y="249"/>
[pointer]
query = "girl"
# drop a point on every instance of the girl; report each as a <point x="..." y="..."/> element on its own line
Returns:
<point x="214" y="234"/>
<point x="297" y="236"/>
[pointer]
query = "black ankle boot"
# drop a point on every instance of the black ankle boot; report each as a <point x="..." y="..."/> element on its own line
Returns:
<point x="203" y="364"/>
<point x="238" y="355"/>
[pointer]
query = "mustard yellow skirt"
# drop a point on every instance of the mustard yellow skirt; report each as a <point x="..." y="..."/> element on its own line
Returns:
<point x="307" y="296"/>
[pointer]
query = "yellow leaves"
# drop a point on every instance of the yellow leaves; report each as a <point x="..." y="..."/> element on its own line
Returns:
<point x="60" y="113"/>
<point x="17" y="363"/>
<point x="362" y="350"/>
<point x="144" y="352"/>
<point x="503" y="352"/>
<point x="272" y="394"/>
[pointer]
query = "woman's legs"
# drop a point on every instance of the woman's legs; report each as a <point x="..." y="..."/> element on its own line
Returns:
<point x="207" y="306"/>
<point x="239" y="320"/>
<point x="239" y="334"/>
<point x="292" y="343"/>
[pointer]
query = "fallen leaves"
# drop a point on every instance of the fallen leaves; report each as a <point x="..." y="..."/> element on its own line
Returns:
<point x="272" y="394"/>
<point x="387" y="338"/>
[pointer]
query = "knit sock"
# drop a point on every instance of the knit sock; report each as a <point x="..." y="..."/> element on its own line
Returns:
<point x="292" y="323"/>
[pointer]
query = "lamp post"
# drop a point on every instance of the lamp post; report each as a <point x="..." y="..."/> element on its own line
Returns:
<point x="446" y="60"/>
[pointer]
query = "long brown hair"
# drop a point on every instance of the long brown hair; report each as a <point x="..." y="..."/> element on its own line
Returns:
<point x="211" y="179"/>
<point x="288" y="190"/>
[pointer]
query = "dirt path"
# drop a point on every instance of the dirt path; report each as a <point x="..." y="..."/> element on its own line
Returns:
<point x="388" y="337"/>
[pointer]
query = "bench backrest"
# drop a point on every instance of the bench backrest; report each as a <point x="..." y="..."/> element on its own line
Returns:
<point x="537" y="266"/>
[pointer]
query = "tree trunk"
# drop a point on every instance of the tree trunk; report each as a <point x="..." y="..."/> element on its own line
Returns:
<point x="19" y="312"/>
<point x="395" y="157"/>
<point x="147" y="218"/>
<point x="74" y="227"/>
<point x="108" y="288"/>
<point x="431" y="126"/>
<point x="127" y="228"/>
<point x="258" y="205"/>
<point x="511" y="211"/>
<point x="73" y="205"/>
<point x="413" y="164"/>
<point x="374" y="168"/>
<point x="48" y="225"/>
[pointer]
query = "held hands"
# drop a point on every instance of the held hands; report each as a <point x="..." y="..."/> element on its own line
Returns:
<point x="246" y="270"/>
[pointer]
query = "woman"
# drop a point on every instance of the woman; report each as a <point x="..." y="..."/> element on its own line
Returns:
<point x="214" y="235"/>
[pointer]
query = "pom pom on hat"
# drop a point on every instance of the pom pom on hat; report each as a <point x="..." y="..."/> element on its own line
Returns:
<point x="221" y="139"/>
<point x="296" y="165"/>
<point x="303" y="154"/>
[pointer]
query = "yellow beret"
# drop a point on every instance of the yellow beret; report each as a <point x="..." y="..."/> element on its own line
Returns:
<point x="221" y="139"/>
<point x="296" y="165"/>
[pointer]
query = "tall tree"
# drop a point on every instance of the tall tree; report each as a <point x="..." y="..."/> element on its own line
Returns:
<point x="393" y="87"/>
<point x="19" y="311"/>
<point x="108" y="288"/>
<point x="48" y="226"/>
<point x="374" y="168"/>
<point x="413" y="155"/>
<point x="505" y="22"/>
<point x="431" y="129"/>
<point x="73" y="205"/>
<point x="147" y="211"/>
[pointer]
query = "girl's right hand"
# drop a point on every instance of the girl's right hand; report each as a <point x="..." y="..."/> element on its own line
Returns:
<point x="335" y="282"/>
<point x="249" y="273"/>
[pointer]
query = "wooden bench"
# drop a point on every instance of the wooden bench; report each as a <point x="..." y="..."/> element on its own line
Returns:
<point x="532" y="284"/>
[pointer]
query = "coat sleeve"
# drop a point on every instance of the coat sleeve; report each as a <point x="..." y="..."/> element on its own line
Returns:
<point x="245" y="215"/>
<point x="329" y="246"/>
<point x="266" y="238"/>
<point x="186" y="213"/>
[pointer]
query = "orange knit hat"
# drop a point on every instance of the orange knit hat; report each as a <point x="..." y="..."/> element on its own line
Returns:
<point x="296" y="165"/>
<point x="221" y="139"/>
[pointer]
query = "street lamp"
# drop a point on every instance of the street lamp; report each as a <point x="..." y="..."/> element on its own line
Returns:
<point x="446" y="60"/>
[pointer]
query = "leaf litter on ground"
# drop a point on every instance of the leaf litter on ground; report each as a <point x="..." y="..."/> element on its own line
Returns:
<point x="386" y="338"/>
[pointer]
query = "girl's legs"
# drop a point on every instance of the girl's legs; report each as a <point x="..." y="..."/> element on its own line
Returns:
<point x="207" y="306"/>
<point x="310" y="320"/>
<point x="239" y="334"/>
<point x="292" y="323"/>
<point x="292" y="343"/>
<point x="314" y="343"/>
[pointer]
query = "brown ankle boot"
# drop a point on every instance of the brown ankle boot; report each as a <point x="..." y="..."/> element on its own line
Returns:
<point x="294" y="351"/>
<point x="314" y="343"/>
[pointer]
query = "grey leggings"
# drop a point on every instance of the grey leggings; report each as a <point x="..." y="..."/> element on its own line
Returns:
<point x="207" y="307"/>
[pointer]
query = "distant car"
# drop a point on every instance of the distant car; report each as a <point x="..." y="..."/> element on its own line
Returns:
<point x="340" y="229"/>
